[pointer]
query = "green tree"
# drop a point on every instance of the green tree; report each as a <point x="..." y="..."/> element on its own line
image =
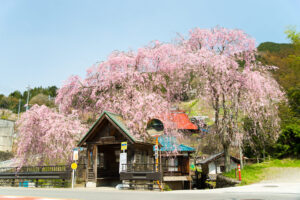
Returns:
<point x="288" y="144"/>
<point x="42" y="99"/>
<point x="287" y="58"/>
<point x="17" y="94"/>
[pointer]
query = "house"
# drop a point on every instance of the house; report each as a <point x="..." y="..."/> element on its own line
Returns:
<point x="178" y="119"/>
<point x="103" y="156"/>
<point x="215" y="164"/>
<point x="176" y="166"/>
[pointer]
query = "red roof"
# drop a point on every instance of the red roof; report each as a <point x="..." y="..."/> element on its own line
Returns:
<point x="181" y="120"/>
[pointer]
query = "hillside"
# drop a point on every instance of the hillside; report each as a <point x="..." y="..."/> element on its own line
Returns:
<point x="287" y="58"/>
<point x="37" y="95"/>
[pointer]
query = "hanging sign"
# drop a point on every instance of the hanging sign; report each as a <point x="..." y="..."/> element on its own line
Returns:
<point x="124" y="146"/>
<point x="75" y="154"/>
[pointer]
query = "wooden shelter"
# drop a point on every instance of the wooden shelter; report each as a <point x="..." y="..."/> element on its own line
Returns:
<point x="103" y="143"/>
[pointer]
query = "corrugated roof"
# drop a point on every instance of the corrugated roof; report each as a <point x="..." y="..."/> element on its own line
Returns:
<point x="215" y="157"/>
<point x="211" y="158"/>
<point x="169" y="143"/>
<point x="180" y="121"/>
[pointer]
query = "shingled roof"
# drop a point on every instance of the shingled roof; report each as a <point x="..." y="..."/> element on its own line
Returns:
<point x="118" y="121"/>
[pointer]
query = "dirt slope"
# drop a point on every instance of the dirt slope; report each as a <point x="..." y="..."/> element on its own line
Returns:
<point x="282" y="175"/>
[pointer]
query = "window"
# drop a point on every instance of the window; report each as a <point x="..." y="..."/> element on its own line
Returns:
<point x="222" y="168"/>
<point x="173" y="164"/>
<point x="100" y="161"/>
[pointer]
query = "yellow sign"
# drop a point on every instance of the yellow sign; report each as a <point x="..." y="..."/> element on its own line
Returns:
<point x="74" y="166"/>
<point x="124" y="146"/>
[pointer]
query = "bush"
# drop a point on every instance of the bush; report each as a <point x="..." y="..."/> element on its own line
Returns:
<point x="5" y="155"/>
<point x="288" y="144"/>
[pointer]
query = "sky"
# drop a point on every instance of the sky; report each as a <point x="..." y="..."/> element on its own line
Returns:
<point x="42" y="43"/>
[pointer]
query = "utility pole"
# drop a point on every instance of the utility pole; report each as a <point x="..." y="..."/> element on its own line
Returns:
<point x="27" y="104"/>
<point x="19" y="108"/>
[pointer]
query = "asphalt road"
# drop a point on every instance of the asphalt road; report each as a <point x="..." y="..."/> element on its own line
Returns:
<point x="254" y="192"/>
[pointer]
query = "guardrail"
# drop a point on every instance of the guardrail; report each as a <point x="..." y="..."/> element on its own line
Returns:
<point x="15" y="176"/>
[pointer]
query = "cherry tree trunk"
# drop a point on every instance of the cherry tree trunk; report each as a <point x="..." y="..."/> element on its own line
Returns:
<point x="227" y="157"/>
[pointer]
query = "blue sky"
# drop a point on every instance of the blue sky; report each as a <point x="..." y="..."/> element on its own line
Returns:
<point x="42" y="43"/>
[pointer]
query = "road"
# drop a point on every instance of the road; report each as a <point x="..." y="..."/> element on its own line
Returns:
<point x="280" y="184"/>
<point x="262" y="191"/>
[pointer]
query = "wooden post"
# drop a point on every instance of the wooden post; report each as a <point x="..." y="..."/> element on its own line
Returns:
<point x="189" y="167"/>
<point x="87" y="160"/>
<point x="95" y="152"/>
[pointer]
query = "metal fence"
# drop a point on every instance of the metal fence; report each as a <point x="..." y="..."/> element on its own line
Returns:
<point x="36" y="176"/>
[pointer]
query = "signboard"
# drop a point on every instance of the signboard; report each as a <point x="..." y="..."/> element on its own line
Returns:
<point x="156" y="151"/>
<point x="123" y="162"/>
<point x="124" y="146"/>
<point x="75" y="154"/>
<point x="74" y="166"/>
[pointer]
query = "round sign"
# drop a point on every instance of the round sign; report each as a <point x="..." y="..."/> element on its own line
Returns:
<point x="155" y="128"/>
<point x="74" y="166"/>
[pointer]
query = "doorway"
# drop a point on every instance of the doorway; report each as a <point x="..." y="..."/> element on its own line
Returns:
<point x="108" y="160"/>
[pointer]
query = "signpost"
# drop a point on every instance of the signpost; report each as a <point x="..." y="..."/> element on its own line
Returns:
<point x="153" y="132"/>
<point x="123" y="157"/>
<point x="156" y="155"/>
<point x="74" y="167"/>
<point x="74" y="164"/>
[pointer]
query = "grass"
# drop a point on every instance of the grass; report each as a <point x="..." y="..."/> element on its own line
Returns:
<point x="257" y="172"/>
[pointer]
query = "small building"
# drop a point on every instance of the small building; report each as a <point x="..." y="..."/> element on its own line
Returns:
<point x="215" y="164"/>
<point x="6" y="134"/>
<point x="103" y="143"/>
<point x="176" y="166"/>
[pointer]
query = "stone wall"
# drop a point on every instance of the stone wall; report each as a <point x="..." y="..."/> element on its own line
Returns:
<point x="223" y="181"/>
<point x="6" y="135"/>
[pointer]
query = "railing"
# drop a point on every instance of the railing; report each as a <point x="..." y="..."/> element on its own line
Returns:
<point x="139" y="167"/>
<point x="140" y="171"/>
<point x="173" y="170"/>
<point x="35" y="169"/>
<point x="36" y="176"/>
<point x="168" y="170"/>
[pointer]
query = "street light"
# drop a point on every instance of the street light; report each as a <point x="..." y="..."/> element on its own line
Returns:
<point x="19" y="108"/>
<point x="27" y="104"/>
